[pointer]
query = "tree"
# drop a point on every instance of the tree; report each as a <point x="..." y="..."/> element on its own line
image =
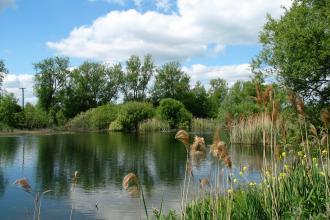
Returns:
<point x="3" y="72"/>
<point x="9" y="109"/>
<point x="170" y="82"/>
<point x="91" y="85"/>
<point x="50" y="83"/>
<point x="217" y="93"/>
<point x="296" y="47"/>
<point x="174" y="112"/>
<point x="136" y="78"/>
<point x="197" y="101"/>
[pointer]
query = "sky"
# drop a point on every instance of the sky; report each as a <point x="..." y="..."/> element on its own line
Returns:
<point x="211" y="38"/>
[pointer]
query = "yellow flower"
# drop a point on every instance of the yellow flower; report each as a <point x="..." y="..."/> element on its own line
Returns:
<point x="241" y="173"/>
<point x="235" y="180"/>
<point x="300" y="153"/>
<point x="324" y="152"/>
<point x="305" y="156"/>
<point x="286" y="167"/>
<point x="283" y="154"/>
<point x="322" y="173"/>
<point x="267" y="173"/>
<point x="252" y="183"/>
<point x="244" y="168"/>
<point x="230" y="191"/>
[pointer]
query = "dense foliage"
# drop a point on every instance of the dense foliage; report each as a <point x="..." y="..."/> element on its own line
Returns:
<point x="174" y="113"/>
<point x="131" y="114"/>
<point x="296" y="47"/>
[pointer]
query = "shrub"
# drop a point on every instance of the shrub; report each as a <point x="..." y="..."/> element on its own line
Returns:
<point x="131" y="114"/>
<point x="34" y="117"/>
<point x="94" y="119"/>
<point x="174" y="113"/>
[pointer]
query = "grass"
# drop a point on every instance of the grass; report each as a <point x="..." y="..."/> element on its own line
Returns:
<point x="154" y="124"/>
<point x="204" y="124"/>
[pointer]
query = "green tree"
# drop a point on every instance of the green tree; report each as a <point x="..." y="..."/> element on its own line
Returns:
<point x="170" y="82"/>
<point x="174" y="112"/>
<point x="50" y="83"/>
<point x="297" y="48"/>
<point x="9" y="109"/>
<point x="198" y="102"/>
<point x="91" y="85"/>
<point x="136" y="78"/>
<point x="3" y="72"/>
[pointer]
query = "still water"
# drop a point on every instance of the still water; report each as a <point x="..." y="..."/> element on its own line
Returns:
<point x="50" y="161"/>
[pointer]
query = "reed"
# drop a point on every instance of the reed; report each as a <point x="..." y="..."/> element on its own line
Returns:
<point x="256" y="129"/>
<point x="154" y="124"/>
<point x="203" y="124"/>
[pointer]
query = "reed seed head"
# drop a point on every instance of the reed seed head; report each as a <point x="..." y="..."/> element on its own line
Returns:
<point x="182" y="136"/>
<point x="24" y="184"/>
<point x="130" y="180"/>
<point x="325" y="117"/>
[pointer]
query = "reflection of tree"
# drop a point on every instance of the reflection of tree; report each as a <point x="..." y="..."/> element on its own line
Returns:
<point x="8" y="150"/>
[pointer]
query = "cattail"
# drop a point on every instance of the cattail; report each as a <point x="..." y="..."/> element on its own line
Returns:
<point x="182" y="136"/>
<point x="24" y="183"/>
<point x="258" y="97"/>
<point x="204" y="182"/>
<point x="130" y="180"/>
<point x="325" y="117"/>
<point x="313" y="130"/>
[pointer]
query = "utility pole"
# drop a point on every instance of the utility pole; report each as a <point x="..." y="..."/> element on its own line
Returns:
<point x="22" y="97"/>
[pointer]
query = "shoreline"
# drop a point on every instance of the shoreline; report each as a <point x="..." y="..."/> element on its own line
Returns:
<point x="19" y="132"/>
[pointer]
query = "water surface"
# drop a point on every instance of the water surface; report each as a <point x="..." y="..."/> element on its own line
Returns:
<point x="102" y="159"/>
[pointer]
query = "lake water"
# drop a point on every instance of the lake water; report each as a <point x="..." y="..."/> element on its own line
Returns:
<point x="50" y="161"/>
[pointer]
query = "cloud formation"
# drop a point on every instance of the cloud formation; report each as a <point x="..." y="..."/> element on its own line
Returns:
<point x="6" y="3"/>
<point x="13" y="82"/>
<point x="191" y="31"/>
<point x="230" y="73"/>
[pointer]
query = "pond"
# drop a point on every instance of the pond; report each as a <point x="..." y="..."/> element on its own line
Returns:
<point x="50" y="161"/>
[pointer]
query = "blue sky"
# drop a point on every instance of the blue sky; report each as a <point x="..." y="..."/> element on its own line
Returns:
<point x="211" y="38"/>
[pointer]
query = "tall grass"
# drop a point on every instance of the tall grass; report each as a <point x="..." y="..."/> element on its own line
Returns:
<point x="154" y="125"/>
<point x="204" y="124"/>
<point x="255" y="129"/>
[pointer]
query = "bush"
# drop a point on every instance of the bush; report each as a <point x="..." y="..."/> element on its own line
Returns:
<point x="94" y="119"/>
<point x="174" y="113"/>
<point x="8" y="110"/>
<point x="34" y="117"/>
<point x="131" y="114"/>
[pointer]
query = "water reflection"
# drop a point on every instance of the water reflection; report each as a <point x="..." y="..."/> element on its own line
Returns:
<point x="103" y="160"/>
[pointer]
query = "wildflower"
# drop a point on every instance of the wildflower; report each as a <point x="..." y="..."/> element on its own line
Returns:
<point x="267" y="173"/>
<point x="230" y="191"/>
<point x="240" y="173"/>
<point x="286" y="167"/>
<point x="324" y="152"/>
<point x="252" y="183"/>
<point x="244" y="168"/>
<point x="235" y="180"/>
<point x="305" y="156"/>
<point x="322" y="173"/>
<point x="300" y="153"/>
<point x="283" y="154"/>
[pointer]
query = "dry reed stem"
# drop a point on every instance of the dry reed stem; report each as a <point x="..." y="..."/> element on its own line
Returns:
<point x="313" y="130"/>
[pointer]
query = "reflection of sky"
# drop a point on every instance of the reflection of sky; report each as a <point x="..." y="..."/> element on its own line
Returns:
<point x="113" y="201"/>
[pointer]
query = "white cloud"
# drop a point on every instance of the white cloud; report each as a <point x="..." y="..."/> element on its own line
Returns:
<point x="13" y="82"/>
<point x="231" y="73"/>
<point x="197" y="25"/>
<point x="6" y="3"/>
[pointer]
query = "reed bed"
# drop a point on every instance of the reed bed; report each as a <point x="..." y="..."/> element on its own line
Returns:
<point x="154" y="124"/>
<point x="204" y="124"/>
<point x="255" y="129"/>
